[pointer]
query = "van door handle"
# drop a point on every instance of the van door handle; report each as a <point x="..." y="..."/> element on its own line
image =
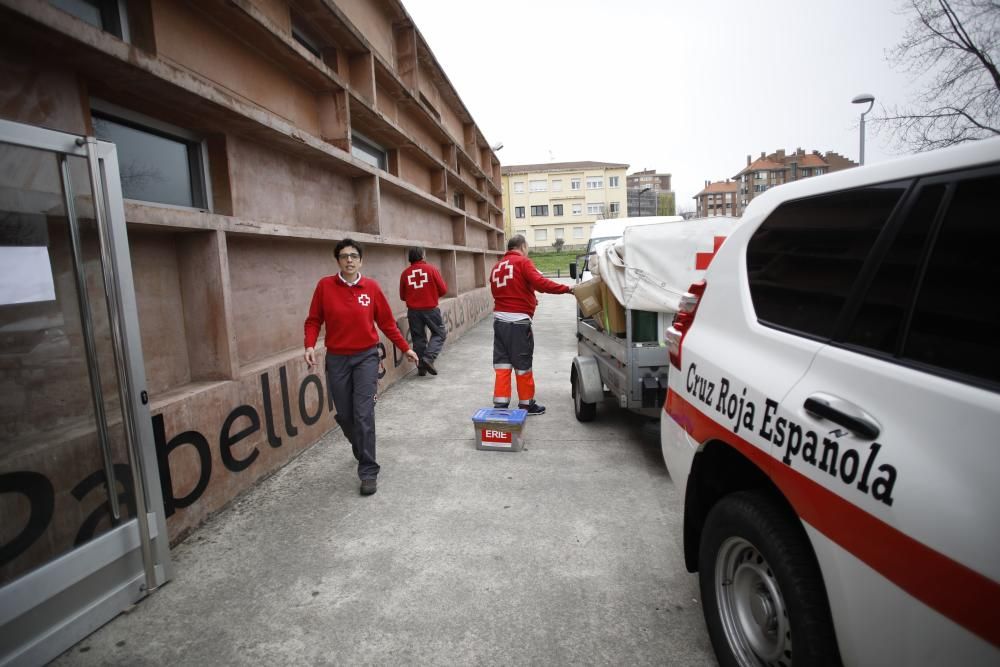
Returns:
<point x="839" y="411"/>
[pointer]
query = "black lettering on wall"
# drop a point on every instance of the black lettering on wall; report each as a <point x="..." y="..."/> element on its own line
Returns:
<point x="96" y="480"/>
<point x="265" y="393"/>
<point x="163" y="450"/>
<point x="381" y="367"/>
<point x="290" y="428"/>
<point x="307" y="418"/>
<point x="42" y="501"/>
<point x="227" y="439"/>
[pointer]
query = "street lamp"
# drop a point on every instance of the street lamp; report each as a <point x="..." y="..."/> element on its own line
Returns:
<point x="861" y="99"/>
<point x="638" y="201"/>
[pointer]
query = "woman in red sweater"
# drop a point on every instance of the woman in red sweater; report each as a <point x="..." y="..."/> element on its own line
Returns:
<point x="349" y="306"/>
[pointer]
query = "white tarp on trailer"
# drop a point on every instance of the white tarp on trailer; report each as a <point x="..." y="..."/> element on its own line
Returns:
<point x="652" y="266"/>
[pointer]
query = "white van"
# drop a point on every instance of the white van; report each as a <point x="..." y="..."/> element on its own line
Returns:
<point x="832" y="419"/>
<point x="610" y="230"/>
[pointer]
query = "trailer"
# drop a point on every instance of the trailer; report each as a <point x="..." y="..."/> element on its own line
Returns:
<point x="621" y="350"/>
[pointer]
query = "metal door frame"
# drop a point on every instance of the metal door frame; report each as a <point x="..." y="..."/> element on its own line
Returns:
<point x="54" y="606"/>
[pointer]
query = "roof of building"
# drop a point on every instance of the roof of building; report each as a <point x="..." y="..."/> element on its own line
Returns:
<point x="559" y="166"/>
<point x="811" y="160"/>
<point x="718" y="186"/>
<point x="761" y="163"/>
<point x="780" y="160"/>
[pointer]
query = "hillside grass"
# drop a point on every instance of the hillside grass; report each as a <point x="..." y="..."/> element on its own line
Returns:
<point x="551" y="262"/>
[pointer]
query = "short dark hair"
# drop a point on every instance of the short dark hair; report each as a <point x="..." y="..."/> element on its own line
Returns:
<point x="346" y="243"/>
<point x="516" y="241"/>
<point x="416" y="253"/>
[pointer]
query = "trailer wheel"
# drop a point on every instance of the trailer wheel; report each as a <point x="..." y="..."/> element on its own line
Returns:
<point x="585" y="412"/>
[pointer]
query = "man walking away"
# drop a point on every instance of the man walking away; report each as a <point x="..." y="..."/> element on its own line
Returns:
<point x="420" y="286"/>
<point x="514" y="281"/>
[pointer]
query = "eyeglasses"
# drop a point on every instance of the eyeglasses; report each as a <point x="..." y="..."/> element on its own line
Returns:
<point x="348" y="255"/>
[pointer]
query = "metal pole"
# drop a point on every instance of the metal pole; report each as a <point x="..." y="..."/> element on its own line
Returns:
<point x="863" y="137"/>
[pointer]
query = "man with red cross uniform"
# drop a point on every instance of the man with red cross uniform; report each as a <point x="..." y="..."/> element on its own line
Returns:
<point x="514" y="281"/>
<point x="420" y="286"/>
<point x="349" y="306"/>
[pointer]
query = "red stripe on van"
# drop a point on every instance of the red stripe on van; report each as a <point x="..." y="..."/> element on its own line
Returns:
<point x="953" y="589"/>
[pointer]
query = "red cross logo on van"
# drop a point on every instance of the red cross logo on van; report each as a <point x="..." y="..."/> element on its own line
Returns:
<point x="502" y="272"/>
<point x="364" y="300"/>
<point x="417" y="278"/>
<point x="703" y="259"/>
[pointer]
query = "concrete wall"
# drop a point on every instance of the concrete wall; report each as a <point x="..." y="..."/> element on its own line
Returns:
<point x="222" y="291"/>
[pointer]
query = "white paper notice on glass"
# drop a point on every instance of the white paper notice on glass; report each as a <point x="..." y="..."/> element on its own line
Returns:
<point x="25" y="275"/>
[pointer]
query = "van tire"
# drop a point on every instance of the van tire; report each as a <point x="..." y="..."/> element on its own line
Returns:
<point x="585" y="412"/>
<point x="761" y="588"/>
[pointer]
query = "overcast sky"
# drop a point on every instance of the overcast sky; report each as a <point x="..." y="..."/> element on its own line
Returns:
<point x="686" y="87"/>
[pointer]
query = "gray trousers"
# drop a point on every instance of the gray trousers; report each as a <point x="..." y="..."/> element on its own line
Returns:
<point x="422" y="321"/>
<point x="353" y="381"/>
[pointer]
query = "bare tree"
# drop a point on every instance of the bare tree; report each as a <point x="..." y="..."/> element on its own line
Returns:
<point x="955" y="44"/>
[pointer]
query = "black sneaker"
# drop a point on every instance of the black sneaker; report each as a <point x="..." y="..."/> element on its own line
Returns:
<point x="368" y="487"/>
<point x="533" y="409"/>
<point x="501" y="406"/>
<point x="428" y="366"/>
<point x="420" y="370"/>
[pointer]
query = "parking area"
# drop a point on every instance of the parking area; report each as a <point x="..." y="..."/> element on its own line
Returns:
<point x="565" y="553"/>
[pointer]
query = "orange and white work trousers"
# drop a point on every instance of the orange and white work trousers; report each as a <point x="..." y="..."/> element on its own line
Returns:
<point x="513" y="349"/>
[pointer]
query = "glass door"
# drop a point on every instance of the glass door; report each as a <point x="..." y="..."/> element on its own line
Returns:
<point x="82" y="530"/>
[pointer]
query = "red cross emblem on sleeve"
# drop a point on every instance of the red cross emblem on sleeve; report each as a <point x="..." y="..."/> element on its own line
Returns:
<point x="417" y="279"/>
<point x="703" y="259"/>
<point x="364" y="300"/>
<point x="502" y="272"/>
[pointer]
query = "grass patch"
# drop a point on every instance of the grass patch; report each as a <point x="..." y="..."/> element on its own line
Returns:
<point x="550" y="262"/>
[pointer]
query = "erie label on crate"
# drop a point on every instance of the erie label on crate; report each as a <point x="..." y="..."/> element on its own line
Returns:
<point x="496" y="438"/>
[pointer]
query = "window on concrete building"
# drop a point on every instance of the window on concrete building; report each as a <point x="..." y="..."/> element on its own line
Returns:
<point x="595" y="182"/>
<point x="595" y="208"/>
<point x="556" y="186"/>
<point x="612" y="181"/>
<point x="760" y="175"/>
<point x="805" y="172"/>
<point x="537" y="186"/>
<point x="458" y="199"/>
<point x="368" y="151"/>
<point x="574" y="184"/>
<point x="539" y="211"/>
<point x="560" y="232"/>
<point x="557" y="209"/>
<point x="615" y="207"/>
<point x="518" y="211"/>
<point x="108" y="15"/>
<point x="577" y="209"/>
<point x="304" y="36"/>
<point x="522" y="232"/>
<point x="541" y="234"/>
<point x="157" y="162"/>
<point x="518" y="187"/>
<point x="578" y="232"/>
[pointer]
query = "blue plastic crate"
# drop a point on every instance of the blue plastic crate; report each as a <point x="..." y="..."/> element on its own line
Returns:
<point x="499" y="429"/>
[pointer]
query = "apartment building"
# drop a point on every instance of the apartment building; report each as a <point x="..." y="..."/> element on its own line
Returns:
<point x="174" y="177"/>
<point x="776" y="168"/>
<point x="719" y="198"/>
<point x="561" y="200"/>
<point x="649" y="193"/>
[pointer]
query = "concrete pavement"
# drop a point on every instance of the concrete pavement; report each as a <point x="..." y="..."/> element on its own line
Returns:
<point x="565" y="553"/>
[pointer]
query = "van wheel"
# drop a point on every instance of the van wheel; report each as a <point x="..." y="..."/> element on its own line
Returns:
<point x="762" y="590"/>
<point x="585" y="412"/>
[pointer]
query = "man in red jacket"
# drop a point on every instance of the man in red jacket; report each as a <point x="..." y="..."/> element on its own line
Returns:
<point x="350" y="306"/>
<point x="514" y="281"/>
<point x="420" y="286"/>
